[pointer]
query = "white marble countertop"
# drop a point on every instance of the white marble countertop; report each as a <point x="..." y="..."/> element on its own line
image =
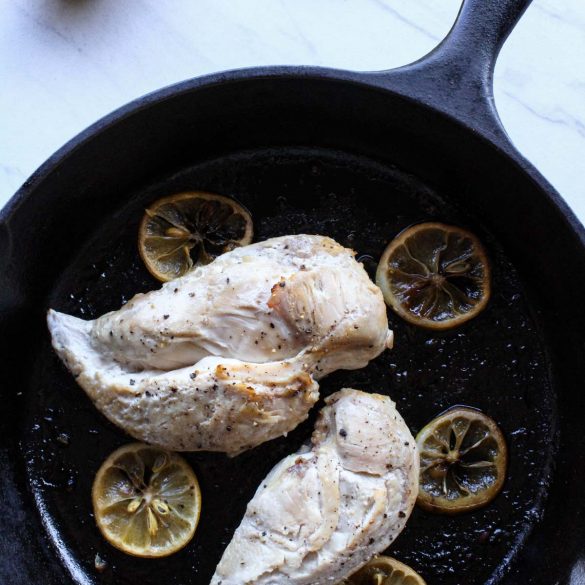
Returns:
<point x="66" y="63"/>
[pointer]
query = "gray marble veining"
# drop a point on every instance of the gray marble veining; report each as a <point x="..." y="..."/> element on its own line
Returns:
<point x="64" y="64"/>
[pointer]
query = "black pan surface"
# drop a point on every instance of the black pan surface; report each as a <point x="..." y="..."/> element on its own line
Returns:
<point x="497" y="363"/>
<point x="358" y="157"/>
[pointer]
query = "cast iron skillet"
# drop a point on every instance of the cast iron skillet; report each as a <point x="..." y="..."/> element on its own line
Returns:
<point x="358" y="156"/>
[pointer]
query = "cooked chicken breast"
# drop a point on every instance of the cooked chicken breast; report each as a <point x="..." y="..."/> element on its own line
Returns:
<point x="229" y="355"/>
<point x="322" y="513"/>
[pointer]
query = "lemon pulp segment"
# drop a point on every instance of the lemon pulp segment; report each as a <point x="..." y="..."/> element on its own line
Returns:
<point x="382" y="570"/>
<point x="435" y="275"/>
<point x="463" y="461"/>
<point x="146" y="501"/>
<point x="190" y="229"/>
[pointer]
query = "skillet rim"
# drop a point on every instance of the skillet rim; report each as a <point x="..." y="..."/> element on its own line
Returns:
<point x="368" y="80"/>
<point x="365" y="80"/>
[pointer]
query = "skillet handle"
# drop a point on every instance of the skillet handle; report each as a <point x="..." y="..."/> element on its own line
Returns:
<point x="457" y="76"/>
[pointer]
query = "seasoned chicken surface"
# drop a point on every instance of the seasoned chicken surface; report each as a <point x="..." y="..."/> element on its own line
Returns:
<point x="322" y="513"/>
<point x="228" y="356"/>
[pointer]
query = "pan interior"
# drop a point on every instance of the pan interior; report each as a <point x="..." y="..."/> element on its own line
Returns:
<point x="497" y="362"/>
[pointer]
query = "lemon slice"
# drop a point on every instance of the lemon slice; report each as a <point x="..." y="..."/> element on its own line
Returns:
<point x="146" y="501"/>
<point x="463" y="460"/>
<point x="189" y="229"/>
<point x="385" y="571"/>
<point x="435" y="275"/>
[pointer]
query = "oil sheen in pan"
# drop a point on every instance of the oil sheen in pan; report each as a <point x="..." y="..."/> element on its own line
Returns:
<point x="495" y="363"/>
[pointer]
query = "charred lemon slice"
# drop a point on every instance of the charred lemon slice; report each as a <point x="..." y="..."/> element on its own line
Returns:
<point x="189" y="229"/>
<point x="435" y="275"/>
<point x="463" y="460"/>
<point x="385" y="571"/>
<point x="146" y="501"/>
